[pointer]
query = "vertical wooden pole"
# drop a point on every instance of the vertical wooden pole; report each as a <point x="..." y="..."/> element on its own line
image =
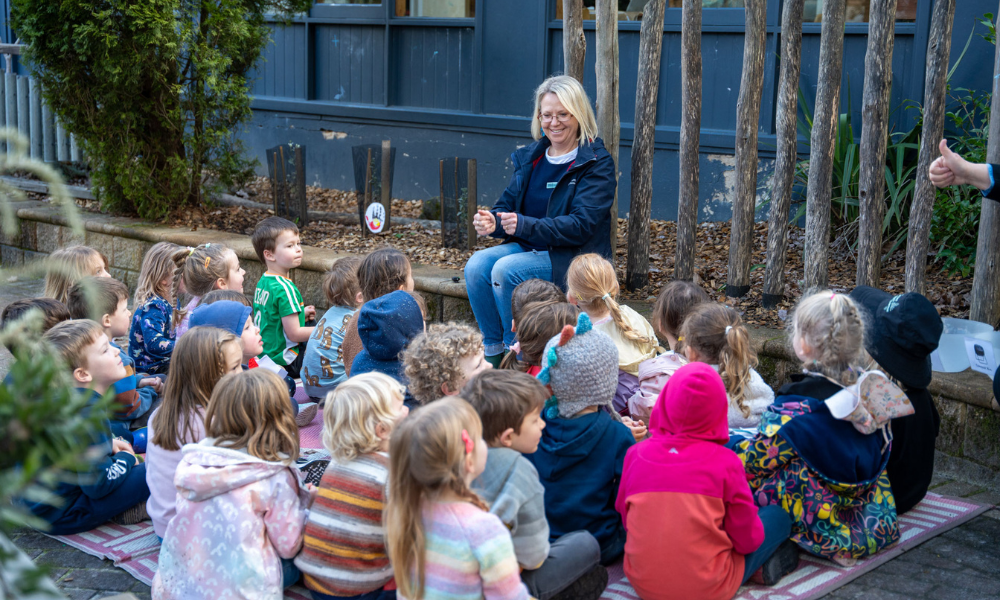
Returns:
<point x="386" y="182"/>
<point x="23" y="106"/>
<point x="574" y="42"/>
<point x="687" y="200"/>
<point x="822" y="141"/>
<point x="650" y="47"/>
<point x="274" y="184"/>
<point x="936" y="78"/>
<point x="874" y="135"/>
<point x="36" y="120"/>
<point x="608" y="120"/>
<point x="302" y="206"/>
<point x="368" y="195"/>
<point x="787" y="155"/>
<point x="986" y="283"/>
<point x="747" y="121"/>
<point x="471" y="205"/>
<point x="48" y="133"/>
<point x="444" y="221"/>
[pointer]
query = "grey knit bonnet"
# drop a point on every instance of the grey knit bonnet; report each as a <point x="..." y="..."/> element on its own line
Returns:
<point x="580" y="365"/>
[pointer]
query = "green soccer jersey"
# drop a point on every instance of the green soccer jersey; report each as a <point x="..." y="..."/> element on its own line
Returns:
<point x="274" y="298"/>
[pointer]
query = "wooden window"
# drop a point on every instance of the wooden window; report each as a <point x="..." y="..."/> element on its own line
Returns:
<point x="438" y="9"/>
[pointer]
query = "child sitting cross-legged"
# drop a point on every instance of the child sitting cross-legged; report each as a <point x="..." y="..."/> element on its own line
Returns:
<point x="510" y="404"/>
<point x="66" y="266"/>
<point x="151" y="337"/>
<point x="105" y="300"/>
<point x="344" y="555"/>
<point x="439" y="361"/>
<point x="693" y="528"/>
<point x="539" y="322"/>
<point x="442" y="540"/>
<point x="115" y="485"/>
<point x="526" y="292"/>
<point x="203" y="269"/>
<point x="241" y="506"/>
<point x="386" y="325"/>
<point x="323" y="364"/>
<point x="579" y="459"/>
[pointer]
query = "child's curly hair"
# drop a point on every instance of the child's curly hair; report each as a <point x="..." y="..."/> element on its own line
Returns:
<point x="432" y="359"/>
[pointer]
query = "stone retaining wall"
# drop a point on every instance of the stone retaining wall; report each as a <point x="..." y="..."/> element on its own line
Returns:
<point x="968" y="445"/>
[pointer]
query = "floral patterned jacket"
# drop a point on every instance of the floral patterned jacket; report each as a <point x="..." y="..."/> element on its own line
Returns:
<point x="150" y="340"/>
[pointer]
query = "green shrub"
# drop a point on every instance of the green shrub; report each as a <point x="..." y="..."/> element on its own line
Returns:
<point x="154" y="90"/>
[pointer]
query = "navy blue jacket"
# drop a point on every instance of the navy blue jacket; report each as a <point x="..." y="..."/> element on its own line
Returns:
<point x="579" y="213"/>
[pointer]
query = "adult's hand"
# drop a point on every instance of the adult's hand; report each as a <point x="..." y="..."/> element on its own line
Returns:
<point x="509" y="222"/>
<point x="484" y="222"/>
<point x="951" y="169"/>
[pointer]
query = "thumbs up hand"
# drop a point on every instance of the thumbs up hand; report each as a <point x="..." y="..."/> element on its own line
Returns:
<point x="952" y="169"/>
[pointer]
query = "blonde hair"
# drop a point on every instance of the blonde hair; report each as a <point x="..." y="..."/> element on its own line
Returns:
<point x="718" y="334"/>
<point x="353" y="411"/>
<point x="67" y="266"/>
<point x="833" y="328"/>
<point x="69" y="338"/>
<point x="432" y="359"/>
<point x="196" y="365"/>
<point x="573" y="98"/>
<point x="250" y="410"/>
<point x="592" y="281"/>
<point x="157" y="265"/>
<point x="200" y="268"/>
<point x="426" y="457"/>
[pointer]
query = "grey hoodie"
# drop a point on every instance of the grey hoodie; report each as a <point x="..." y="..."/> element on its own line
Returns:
<point x="511" y="487"/>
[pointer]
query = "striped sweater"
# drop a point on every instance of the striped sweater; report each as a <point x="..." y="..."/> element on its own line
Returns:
<point x="344" y="553"/>
<point x="469" y="555"/>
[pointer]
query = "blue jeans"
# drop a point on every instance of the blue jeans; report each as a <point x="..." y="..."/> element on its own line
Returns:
<point x="777" y="529"/>
<point x="490" y="278"/>
<point x="376" y="595"/>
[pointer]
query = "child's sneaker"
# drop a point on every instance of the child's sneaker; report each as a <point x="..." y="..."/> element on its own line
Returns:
<point x="784" y="560"/>
<point x="307" y="412"/>
<point x="588" y="587"/>
<point x="136" y="514"/>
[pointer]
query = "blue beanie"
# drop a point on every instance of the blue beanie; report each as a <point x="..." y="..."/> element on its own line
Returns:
<point x="225" y="314"/>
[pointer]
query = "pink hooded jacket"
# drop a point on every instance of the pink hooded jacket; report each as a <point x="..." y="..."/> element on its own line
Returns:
<point x="683" y="485"/>
<point x="653" y="375"/>
<point x="236" y="515"/>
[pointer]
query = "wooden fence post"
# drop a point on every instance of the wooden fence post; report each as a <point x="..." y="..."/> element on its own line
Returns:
<point x="608" y="120"/>
<point x="650" y="47"/>
<point x="747" y="122"/>
<point x="874" y="135"/>
<point x="574" y="42"/>
<point x="936" y="78"/>
<point x="986" y="283"/>
<point x="690" y="142"/>
<point x="787" y="155"/>
<point x="822" y="141"/>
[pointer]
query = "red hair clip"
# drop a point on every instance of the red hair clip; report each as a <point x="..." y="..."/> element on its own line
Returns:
<point x="469" y="445"/>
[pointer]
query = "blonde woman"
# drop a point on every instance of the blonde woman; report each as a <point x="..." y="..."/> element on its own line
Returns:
<point x="556" y="206"/>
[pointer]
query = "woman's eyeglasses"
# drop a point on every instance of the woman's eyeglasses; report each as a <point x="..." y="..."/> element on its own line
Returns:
<point x="562" y="117"/>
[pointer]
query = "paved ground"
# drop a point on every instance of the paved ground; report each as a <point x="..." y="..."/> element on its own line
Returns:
<point x="958" y="565"/>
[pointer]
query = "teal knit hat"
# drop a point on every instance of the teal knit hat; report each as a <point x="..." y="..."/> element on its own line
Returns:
<point x="580" y="365"/>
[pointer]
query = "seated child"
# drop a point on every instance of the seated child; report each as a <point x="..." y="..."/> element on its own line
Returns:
<point x="323" y="364"/>
<point x="236" y="319"/>
<point x="826" y="471"/>
<point x="203" y="357"/>
<point x="203" y="269"/>
<point x="442" y="537"/>
<point x="905" y="330"/>
<point x="592" y="285"/>
<point x="115" y="485"/>
<point x="66" y="266"/>
<point x="579" y="460"/>
<point x="669" y="311"/>
<point x="539" y="323"/>
<point x="386" y="326"/>
<point x="526" y="292"/>
<point x="344" y="554"/>
<point x="381" y="272"/>
<point x="510" y="405"/>
<point x="438" y="362"/>
<point x="52" y="313"/>
<point x="685" y="486"/>
<point x="105" y="300"/>
<point x="151" y="337"/>
<point x="241" y="507"/>
<point x="277" y="303"/>
<point x="714" y="334"/>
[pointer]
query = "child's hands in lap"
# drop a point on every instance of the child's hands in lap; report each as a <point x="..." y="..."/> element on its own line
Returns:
<point x="118" y="445"/>
<point x="639" y="431"/>
<point x="154" y="382"/>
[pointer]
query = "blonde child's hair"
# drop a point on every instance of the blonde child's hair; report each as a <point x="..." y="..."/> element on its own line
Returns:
<point x="592" y="281"/>
<point x="196" y="365"/>
<point x="67" y="266"/>
<point x="426" y="455"/>
<point x="200" y="268"/>
<point x="833" y="328"/>
<point x="250" y="410"/>
<point x="340" y="284"/>
<point x="157" y="265"/>
<point x="353" y="411"/>
<point x="718" y="334"/>
<point x="69" y="339"/>
<point x="573" y="98"/>
<point x="432" y="358"/>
